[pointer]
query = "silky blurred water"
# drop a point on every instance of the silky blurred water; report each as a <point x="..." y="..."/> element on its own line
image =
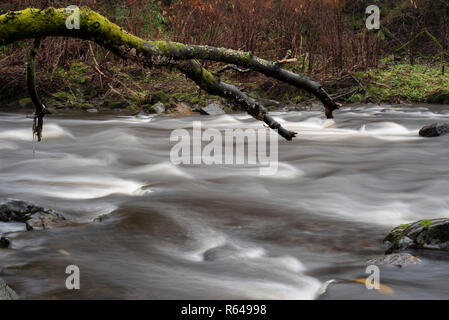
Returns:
<point x="223" y="232"/>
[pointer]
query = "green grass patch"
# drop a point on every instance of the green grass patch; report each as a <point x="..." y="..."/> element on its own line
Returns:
<point x="413" y="83"/>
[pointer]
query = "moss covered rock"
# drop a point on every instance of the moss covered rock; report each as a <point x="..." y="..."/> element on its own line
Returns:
<point x="440" y="96"/>
<point x="156" y="108"/>
<point x="25" y="102"/>
<point x="61" y="96"/>
<point x="423" y="234"/>
<point x="155" y="97"/>
<point x="114" y="104"/>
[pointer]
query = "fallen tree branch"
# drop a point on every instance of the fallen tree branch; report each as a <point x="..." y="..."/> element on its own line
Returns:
<point x="359" y="83"/>
<point x="40" y="109"/>
<point x="210" y="83"/>
<point x="35" y="23"/>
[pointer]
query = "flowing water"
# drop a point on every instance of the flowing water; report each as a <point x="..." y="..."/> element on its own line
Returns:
<point x="223" y="232"/>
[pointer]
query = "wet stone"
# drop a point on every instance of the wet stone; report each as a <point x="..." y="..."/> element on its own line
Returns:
<point x="6" y="293"/>
<point x="35" y="217"/>
<point x="4" y="243"/>
<point x="396" y="259"/>
<point x="423" y="234"/>
<point x="435" y="130"/>
<point x="212" y="109"/>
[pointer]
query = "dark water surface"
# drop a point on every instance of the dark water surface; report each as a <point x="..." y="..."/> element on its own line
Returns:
<point x="224" y="232"/>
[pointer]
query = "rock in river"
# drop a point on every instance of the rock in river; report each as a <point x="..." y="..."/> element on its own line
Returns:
<point x="212" y="109"/>
<point x="6" y="293"/>
<point x="434" y="130"/>
<point x="4" y="243"/>
<point x="423" y="234"/>
<point x="33" y="216"/>
<point x="396" y="259"/>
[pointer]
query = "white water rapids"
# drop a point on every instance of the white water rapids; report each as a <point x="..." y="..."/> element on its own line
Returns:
<point x="223" y="232"/>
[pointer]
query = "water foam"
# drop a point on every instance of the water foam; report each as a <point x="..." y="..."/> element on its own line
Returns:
<point x="52" y="131"/>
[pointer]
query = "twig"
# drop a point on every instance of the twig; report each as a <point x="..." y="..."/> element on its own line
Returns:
<point x="97" y="66"/>
<point x="233" y="67"/>
<point x="358" y="82"/>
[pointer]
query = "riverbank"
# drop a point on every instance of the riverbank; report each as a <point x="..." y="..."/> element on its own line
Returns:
<point x="128" y="90"/>
<point x="419" y="83"/>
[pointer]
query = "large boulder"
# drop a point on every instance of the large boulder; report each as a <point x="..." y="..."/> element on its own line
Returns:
<point x="434" y="130"/>
<point x="33" y="216"/>
<point x="423" y="234"/>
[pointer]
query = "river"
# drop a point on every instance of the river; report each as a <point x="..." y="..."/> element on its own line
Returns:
<point x="221" y="231"/>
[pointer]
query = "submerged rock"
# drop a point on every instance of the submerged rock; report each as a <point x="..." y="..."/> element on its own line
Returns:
<point x="46" y="221"/>
<point x="33" y="216"/>
<point x="423" y="234"/>
<point x="220" y="253"/>
<point x="6" y="293"/>
<point x="4" y="243"/>
<point x="102" y="217"/>
<point x="212" y="109"/>
<point x="396" y="259"/>
<point x="434" y="130"/>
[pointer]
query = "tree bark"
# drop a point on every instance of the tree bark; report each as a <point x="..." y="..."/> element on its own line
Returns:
<point x="212" y="84"/>
<point x="34" y="23"/>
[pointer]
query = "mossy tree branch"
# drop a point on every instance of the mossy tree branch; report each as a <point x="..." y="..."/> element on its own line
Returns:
<point x="35" y="23"/>
<point x="210" y="83"/>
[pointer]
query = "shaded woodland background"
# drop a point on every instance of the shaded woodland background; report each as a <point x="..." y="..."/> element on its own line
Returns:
<point x="328" y="37"/>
